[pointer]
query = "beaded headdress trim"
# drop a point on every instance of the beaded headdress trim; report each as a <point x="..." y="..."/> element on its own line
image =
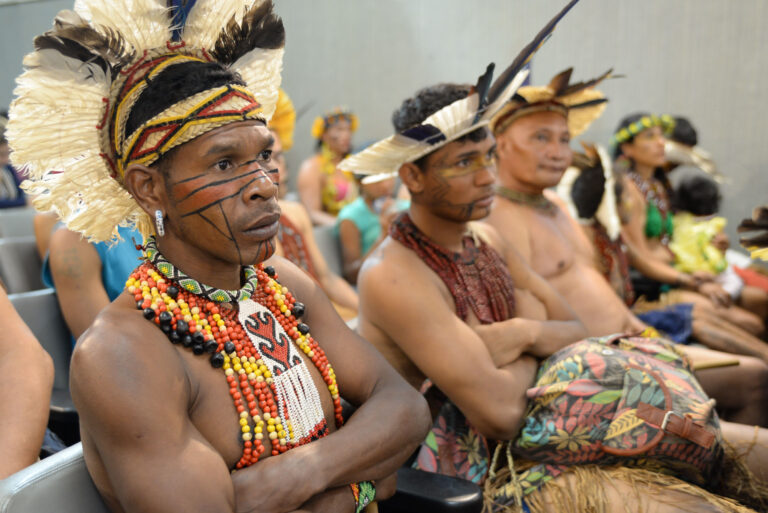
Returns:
<point x="173" y="273"/>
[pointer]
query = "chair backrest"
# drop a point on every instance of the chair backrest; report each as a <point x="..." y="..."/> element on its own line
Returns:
<point x="328" y="244"/>
<point x="17" y="222"/>
<point x="59" y="483"/>
<point x="20" y="265"/>
<point x="40" y="311"/>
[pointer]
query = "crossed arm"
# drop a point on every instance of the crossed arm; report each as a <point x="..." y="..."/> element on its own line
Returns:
<point x="160" y="461"/>
<point x="403" y="298"/>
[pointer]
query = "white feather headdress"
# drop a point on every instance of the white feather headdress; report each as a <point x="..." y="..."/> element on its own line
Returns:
<point x="453" y="121"/>
<point x="68" y="120"/>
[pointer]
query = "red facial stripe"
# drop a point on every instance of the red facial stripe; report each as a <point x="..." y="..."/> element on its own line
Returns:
<point x="202" y="193"/>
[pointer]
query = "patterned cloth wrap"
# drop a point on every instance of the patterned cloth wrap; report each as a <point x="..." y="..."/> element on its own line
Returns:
<point x="595" y="401"/>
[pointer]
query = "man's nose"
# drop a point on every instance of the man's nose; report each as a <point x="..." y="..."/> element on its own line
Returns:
<point x="262" y="186"/>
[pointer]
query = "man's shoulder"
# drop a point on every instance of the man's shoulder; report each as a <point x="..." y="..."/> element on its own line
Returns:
<point x="121" y="341"/>
<point x="391" y="264"/>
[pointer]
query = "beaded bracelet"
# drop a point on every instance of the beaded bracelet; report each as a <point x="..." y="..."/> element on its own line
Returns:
<point x="364" y="493"/>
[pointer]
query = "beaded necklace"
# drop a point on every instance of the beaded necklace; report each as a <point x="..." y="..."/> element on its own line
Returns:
<point x="537" y="201"/>
<point x="269" y="382"/>
<point x="477" y="278"/>
<point x="659" y="216"/>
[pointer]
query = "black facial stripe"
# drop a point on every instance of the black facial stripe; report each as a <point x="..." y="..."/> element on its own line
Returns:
<point x="215" y="226"/>
<point x="218" y="182"/>
<point x="220" y="200"/>
<point x="231" y="235"/>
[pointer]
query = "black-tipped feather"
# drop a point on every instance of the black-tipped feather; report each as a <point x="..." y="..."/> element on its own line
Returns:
<point x="579" y="86"/>
<point x="590" y="103"/>
<point x="260" y="28"/>
<point x="525" y="55"/>
<point x="74" y="38"/>
<point x="482" y="87"/>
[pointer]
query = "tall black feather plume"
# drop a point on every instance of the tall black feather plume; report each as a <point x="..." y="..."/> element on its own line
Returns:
<point x="260" y="28"/>
<point x="579" y="86"/>
<point x="524" y="56"/>
<point x="482" y="86"/>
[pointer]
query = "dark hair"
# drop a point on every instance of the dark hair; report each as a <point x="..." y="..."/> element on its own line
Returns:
<point x="684" y="132"/>
<point x="427" y="101"/>
<point x="172" y="86"/>
<point x="698" y="195"/>
<point x="588" y="190"/>
<point x="175" y="84"/>
<point x="625" y="122"/>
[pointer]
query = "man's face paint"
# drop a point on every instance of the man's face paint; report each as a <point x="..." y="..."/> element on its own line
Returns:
<point x="459" y="180"/>
<point x="223" y="193"/>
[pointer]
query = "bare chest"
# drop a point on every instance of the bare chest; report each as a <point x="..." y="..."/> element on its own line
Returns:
<point x="554" y="248"/>
<point x="212" y="406"/>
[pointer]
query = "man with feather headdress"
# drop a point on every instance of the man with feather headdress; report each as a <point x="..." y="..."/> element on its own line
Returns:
<point x="533" y="133"/>
<point x="472" y="317"/>
<point x="202" y="387"/>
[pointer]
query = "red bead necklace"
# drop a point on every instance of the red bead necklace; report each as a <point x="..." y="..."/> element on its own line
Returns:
<point x="207" y="327"/>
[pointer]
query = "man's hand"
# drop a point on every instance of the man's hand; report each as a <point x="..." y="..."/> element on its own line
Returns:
<point x="275" y="485"/>
<point x="715" y="293"/>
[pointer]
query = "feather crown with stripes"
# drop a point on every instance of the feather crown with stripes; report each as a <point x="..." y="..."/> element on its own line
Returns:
<point x="74" y="124"/>
<point x="461" y="117"/>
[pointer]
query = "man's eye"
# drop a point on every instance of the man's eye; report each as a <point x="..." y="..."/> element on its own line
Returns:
<point x="542" y="137"/>
<point x="265" y="155"/>
<point x="463" y="163"/>
<point x="223" y="164"/>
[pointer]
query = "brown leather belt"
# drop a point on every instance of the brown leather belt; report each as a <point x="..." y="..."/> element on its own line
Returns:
<point x="676" y="424"/>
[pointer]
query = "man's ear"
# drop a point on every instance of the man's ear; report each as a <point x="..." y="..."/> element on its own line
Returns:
<point x="502" y="145"/>
<point x="147" y="186"/>
<point x="413" y="177"/>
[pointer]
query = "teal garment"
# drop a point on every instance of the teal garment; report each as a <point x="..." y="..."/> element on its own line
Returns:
<point x="117" y="262"/>
<point x="366" y="220"/>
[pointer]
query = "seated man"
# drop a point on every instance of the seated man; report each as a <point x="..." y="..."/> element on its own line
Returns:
<point x="533" y="137"/>
<point x="456" y="317"/>
<point x="468" y="322"/>
<point x="226" y="389"/>
<point x="26" y="379"/>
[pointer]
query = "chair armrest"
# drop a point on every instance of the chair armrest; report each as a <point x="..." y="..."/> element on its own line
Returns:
<point x="419" y="491"/>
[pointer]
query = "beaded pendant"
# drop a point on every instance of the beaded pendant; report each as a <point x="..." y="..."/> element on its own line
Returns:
<point x="257" y="346"/>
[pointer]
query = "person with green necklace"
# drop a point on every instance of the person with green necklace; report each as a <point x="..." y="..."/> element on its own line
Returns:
<point x="638" y="148"/>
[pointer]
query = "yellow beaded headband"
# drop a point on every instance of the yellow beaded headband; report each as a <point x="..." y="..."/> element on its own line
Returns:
<point x="627" y="133"/>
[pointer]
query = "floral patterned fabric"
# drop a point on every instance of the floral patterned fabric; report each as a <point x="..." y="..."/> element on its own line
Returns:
<point x="583" y="410"/>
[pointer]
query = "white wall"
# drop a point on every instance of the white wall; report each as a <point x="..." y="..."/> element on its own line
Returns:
<point x="705" y="59"/>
